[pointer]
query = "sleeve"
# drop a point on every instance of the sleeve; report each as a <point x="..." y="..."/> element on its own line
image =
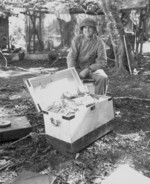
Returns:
<point x="73" y="53"/>
<point x="101" y="60"/>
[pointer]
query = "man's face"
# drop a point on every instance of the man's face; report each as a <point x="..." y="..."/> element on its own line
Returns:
<point x="88" y="31"/>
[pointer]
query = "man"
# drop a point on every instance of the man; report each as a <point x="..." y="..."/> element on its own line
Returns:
<point x="88" y="55"/>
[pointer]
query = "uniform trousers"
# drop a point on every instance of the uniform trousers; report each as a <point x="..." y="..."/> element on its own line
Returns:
<point x="101" y="81"/>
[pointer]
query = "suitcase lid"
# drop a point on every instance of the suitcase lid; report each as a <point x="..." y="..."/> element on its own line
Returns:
<point x="47" y="89"/>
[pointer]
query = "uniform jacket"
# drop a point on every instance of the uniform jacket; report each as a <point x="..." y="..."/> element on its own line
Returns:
<point x="85" y="52"/>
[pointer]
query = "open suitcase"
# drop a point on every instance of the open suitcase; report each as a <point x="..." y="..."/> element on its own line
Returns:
<point x="70" y="131"/>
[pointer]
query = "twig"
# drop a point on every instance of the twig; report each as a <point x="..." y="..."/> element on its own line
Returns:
<point x="25" y="137"/>
<point x="8" y="115"/>
<point x="145" y="113"/>
<point x="147" y="144"/>
<point x="144" y="147"/>
<point x="21" y="139"/>
<point x="5" y="166"/>
<point x="83" y="176"/>
<point x="59" y="57"/>
<point x="29" y="135"/>
<point x="132" y="98"/>
<point x="54" y="62"/>
<point x="147" y="132"/>
<point x="110" y="59"/>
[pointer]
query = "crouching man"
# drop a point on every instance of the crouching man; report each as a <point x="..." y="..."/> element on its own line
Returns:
<point x="88" y="55"/>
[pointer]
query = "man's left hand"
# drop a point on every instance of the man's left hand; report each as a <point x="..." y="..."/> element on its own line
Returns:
<point x="85" y="72"/>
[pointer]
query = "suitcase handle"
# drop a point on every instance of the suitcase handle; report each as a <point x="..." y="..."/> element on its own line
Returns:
<point x="68" y="117"/>
<point x="55" y="122"/>
<point x="92" y="106"/>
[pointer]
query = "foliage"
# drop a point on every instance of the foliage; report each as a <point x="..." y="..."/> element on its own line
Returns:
<point x="87" y="6"/>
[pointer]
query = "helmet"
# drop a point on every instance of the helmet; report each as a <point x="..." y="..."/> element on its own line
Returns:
<point x="88" y="22"/>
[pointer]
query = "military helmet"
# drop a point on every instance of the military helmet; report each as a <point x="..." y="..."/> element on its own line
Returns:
<point x="88" y="22"/>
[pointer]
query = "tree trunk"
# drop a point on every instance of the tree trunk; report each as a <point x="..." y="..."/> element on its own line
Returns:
<point x="123" y="55"/>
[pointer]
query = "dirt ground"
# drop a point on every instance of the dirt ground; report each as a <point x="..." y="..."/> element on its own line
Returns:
<point x="128" y="143"/>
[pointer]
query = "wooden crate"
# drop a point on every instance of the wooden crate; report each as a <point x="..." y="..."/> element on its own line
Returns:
<point x="19" y="127"/>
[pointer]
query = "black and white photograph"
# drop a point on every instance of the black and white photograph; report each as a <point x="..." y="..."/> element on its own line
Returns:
<point x="74" y="91"/>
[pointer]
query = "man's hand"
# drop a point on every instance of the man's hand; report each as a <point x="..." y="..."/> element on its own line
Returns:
<point x="90" y="71"/>
<point x="85" y="72"/>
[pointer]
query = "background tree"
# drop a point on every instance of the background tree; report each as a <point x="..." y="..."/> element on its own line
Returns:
<point x="122" y="48"/>
<point x="124" y="57"/>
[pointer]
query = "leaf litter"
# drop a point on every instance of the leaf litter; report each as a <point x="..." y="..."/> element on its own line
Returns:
<point x="128" y="143"/>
